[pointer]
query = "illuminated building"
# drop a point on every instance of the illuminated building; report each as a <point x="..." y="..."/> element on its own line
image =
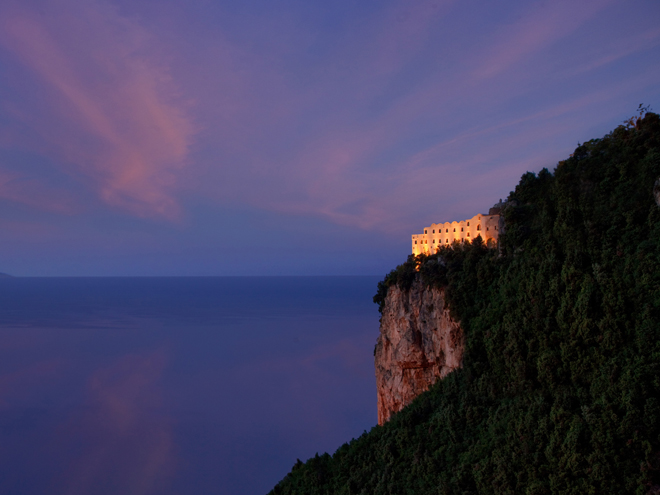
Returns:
<point x="444" y="234"/>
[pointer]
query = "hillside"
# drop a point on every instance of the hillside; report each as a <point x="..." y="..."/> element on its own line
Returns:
<point x="560" y="387"/>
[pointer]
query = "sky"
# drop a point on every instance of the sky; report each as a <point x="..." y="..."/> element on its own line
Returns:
<point x="187" y="138"/>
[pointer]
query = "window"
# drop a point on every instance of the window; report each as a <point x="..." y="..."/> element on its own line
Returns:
<point x="447" y="230"/>
<point x="461" y="229"/>
<point x="478" y="227"/>
<point x="434" y="231"/>
<point x="468" y="224"/>
<point x="433" y="241"/>
<point x="468" y="234"/>
<point x="426" y="241"/>
<point x="425" y="231"/>
<point x="454" y="229"/>
<point x="447" y="241"/>
<point x="487" y="228"/>
<point x="415" y="242"/>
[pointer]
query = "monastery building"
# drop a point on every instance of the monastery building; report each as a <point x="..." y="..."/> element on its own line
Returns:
<point x="485" y="225"/>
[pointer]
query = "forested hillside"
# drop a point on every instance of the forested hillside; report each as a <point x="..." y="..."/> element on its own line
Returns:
<point x="560" y="387"/>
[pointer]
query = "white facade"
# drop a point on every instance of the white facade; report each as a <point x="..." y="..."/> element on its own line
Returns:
<point x="439" y="234"/>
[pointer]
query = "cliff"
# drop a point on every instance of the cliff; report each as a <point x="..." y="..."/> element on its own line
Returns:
<point x="419" y="342"/>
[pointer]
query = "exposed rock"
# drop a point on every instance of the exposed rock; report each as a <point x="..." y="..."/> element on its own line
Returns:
<point x="419" y="342"/>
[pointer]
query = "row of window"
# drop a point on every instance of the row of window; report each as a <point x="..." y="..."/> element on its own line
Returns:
<point x="468" y="224"/>
<point x="447" y="230"/>
<point x="446" y="240"/>
<point x="478" y="228"/>
<point x="426" y="242"/>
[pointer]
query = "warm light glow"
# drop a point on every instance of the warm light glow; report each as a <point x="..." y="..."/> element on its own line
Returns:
<point x="463" y="231"/>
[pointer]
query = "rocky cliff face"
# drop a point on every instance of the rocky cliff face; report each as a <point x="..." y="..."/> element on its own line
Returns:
<point x="418" y="343"/>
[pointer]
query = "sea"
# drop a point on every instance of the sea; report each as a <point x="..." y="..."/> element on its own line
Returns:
<point x="182" y="385"/>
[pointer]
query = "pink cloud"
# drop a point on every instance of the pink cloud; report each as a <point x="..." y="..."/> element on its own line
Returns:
<point x="279" y="129"/>
<point x="336" y="177"/>
<point x="111" y="111"/>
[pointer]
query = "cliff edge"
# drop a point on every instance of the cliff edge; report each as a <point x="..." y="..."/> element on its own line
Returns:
<point x="419" y="342"/>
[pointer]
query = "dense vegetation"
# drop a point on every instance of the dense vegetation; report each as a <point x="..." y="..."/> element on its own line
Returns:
<point x="560" y="389"/>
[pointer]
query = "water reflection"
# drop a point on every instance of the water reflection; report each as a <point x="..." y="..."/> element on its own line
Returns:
<point x="140" y="386"/>
<point x="128" y="440"/>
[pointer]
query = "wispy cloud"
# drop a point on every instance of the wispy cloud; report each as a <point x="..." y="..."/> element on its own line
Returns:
<point x="619" y="49"/>
<point x="542" y="25"/>
<point x="369" y="117"/>
<point x="112" y="116"/>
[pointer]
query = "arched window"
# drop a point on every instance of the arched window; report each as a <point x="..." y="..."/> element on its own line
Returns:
<point x="454" y="229"/>
<point x="468" y="234"/>
<point x="468" y="224"/>
<point x="478" y="227"/>
<point x="415" y="242"/>
<point x="433" y="241"/>
<point x="461" y="229"/>
<point x="447" y="241"/>
<point x="447" y="230"/>
<point x="434" y="231"/>
<point x="425" y="231"/>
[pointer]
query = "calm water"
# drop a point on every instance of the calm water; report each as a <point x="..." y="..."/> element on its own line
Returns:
<point x="179" y="385"/>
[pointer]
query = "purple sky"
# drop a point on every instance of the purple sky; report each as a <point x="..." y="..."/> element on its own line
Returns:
<point x="172" y="137"/>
